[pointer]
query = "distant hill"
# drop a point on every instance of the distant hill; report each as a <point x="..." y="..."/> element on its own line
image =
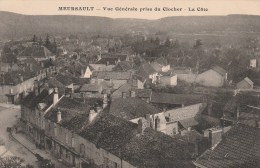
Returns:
<point x="16" y="25"/>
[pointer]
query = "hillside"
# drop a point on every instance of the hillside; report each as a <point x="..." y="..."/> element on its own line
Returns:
<point x="16" y="25"/>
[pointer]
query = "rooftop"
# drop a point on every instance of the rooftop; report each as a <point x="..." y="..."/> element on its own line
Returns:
<point x="219" y="70"/>
<point x="112" y="75"/>
<point x="169" y="98"/>
<point x="152" y="149"/>
<point x="131" y="108"/>
<point x="239" y="148"/>
<point x="36" y="52"/>
<point x="69" y="109"/>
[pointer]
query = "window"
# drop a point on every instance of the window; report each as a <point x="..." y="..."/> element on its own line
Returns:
<point x="67" y="138"/>
<point x="82" y="149"/>
<point x="105" y="161"/>
<point x="174" y="131"/>
<point x="114" y="165"/>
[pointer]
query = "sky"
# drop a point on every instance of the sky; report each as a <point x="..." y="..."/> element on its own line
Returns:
<point x="214" y="7"/>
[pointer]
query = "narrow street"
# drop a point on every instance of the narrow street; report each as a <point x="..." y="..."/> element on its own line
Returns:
<point x="9" y="144"/>
<point x="9" y="117"/>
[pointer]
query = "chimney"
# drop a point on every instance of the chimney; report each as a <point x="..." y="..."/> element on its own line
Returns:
<point x="55" y="96"/>
<point x="237" y="112"/>
<point x="82" y="73"/>
<point x="123" y="95"/>
<point x="50" y="91"/>
<point x="99" y="109"/>
<point x="42" y="64"/>
<point x="72" y="141"/>
<point x="132" y="93"/>
<point x="58" y="116"/>
<point x="92" y="115"/>
<point x="142" y="125"/>
<point x="157" y="124"/>
<point x="105" y="101"/>
<point x="36" y="87"/>
<point x="215" y="136"/>
<point x="21" y="78"/>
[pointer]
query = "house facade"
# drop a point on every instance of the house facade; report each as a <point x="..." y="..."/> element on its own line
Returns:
<point x="214" y="77"/>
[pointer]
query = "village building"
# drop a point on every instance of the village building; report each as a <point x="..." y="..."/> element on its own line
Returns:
<point x="214" y="77"/>
<point x="161" y="65"/>
<point x="147" y="72"/>
<point x="170" y="100"/>
<point x="246" y="83"/>
<point x="168" y="79"/>
<point x="15" y="85"/>
<point x="239" y="147"/>
<point x="39" y="53"/>
<point x="59" y="128"/>
<point x="123" y="66"/>
<point x="114" y="79"/>
<point x="242" y="108"/>
<point x="33" y="109"/>
<point x="115" y="142"/>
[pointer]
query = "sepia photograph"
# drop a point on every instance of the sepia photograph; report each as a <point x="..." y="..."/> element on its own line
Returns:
<point x="129" y="84"/>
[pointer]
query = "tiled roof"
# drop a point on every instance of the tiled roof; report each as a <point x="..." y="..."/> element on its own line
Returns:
<point x="109" y="132"/>
<point x="101" y="67"/>
<point x="77" y="122"/>
<point x="122" y="57"/>
<point x="36" y="52"/>
<point x="156" y="150"/>
<point x="90" y="88"/>
<point x="112" y="75"/>
<point x="124" y="88"/>
<point x="189" y="122"/>
<point x="66" y="79"/>
<point x="15" y="77"/>
<point x="251" y="118"/>
<point x="249" y="81"/>
<point x="107" y="61"/>
<point x="54" y="83"/>
<point x="156" y="66"/>
<point x="150" y="150"/>
<point x="69" y="108"/>
<point x="145" y="70"/>
<point x="219" y="70"/>
<point x="131" y="108"/>
<point x="169" y="98"/>
<point x="240" y="148"/>
<point x="206" y="122"/>
<point x="32" y="100"/>
<point x="143" y="93"/>
<point x="124" y="65"/>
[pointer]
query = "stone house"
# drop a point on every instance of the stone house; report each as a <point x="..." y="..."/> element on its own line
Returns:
<point x="39" y="53"/>
<point x="114" y="79"/>
<point x="33" y="109"/>
<point x="214" y="77"/>
<point x="15" y="85"/>
<point x="246" y="83"/>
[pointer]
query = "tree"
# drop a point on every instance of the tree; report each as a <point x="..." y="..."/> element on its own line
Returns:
<point x="13" y="162"/>
<point x="54" y="47"/>
<point x="198" y="43"/>
<point x="34" y="38"/>
<point x="157" y="41"/>
<point x="167" y="42"/>
<point x="47" y="42"/>
<point x="40" y="41"/>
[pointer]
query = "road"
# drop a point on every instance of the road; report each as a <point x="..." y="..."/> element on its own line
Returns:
<point x="8" y="117"/>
